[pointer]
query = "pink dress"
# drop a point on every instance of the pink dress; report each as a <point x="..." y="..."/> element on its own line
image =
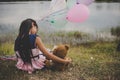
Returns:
<point x="37" y="62"/>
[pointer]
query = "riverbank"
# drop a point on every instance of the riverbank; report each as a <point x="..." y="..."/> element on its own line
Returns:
<point x="96" y="61"/>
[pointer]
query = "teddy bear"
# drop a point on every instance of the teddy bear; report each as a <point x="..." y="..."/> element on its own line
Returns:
<point x="60" y="51"/>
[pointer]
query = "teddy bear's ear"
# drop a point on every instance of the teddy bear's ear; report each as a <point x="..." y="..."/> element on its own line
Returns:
<point x="66" y="46"/>
<point x="54" y="47"/>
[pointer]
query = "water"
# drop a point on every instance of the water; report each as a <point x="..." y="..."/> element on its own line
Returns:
<point x="102" y="17"/>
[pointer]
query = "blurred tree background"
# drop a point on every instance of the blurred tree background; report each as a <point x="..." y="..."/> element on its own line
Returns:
<point x="116" y="32"/>
<point x="50" y="0"/>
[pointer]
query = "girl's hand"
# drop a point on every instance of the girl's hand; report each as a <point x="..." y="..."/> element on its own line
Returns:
<point x="68" y="60"/>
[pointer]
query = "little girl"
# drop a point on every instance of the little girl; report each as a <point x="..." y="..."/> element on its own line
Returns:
<point x="30" y="51"/>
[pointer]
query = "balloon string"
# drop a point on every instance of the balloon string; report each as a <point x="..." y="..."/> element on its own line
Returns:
<point x="52" y="14"/>
<point x="48" y="14"/>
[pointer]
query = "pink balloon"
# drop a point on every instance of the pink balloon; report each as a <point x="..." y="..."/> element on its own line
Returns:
<point x="86" y="2"/>
<point x="79" y="13"/>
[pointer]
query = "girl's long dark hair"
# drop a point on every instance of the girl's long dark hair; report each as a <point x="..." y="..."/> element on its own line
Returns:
<point x="22" y="43"/>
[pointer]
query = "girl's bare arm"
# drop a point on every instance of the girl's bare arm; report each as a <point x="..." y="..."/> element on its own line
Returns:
<point x="47" y="54"/>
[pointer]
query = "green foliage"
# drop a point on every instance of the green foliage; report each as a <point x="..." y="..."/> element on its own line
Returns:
<point x="71" y="37"/>
<point x="116" y="31"/>
<point x="7" y="48"/>
<point x="73" y="34"/>
<point x="76" y="34"/>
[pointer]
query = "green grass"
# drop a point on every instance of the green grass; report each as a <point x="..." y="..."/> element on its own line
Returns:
<point x="91" y="61"/>
<point x="7" y="48"/>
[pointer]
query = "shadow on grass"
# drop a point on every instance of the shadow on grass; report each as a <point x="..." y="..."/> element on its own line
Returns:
<point x="80" y="71"/>
<point x="8" y="71"/>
